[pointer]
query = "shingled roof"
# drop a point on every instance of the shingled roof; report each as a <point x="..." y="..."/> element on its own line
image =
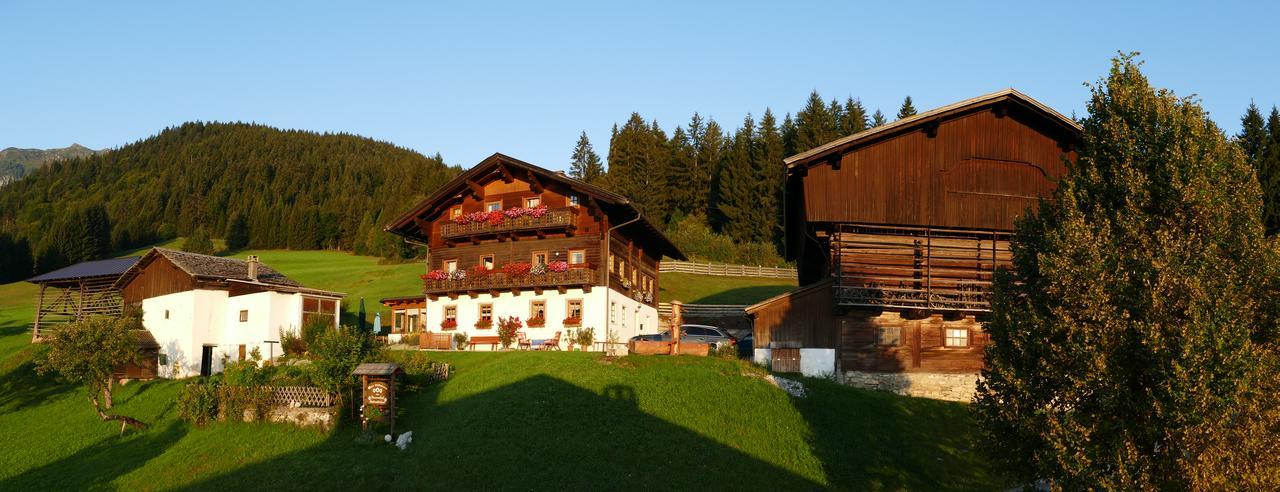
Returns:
<point x="87" y="269"/>
<point x="217" y="268"/>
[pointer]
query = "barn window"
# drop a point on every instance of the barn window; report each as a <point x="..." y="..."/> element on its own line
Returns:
<point x="493" y="206"/>
<point x="532" y="202"/>
<point x="450" y="266"/>
<point x="487" y="261"/>
<point x="577" y="256"/>
<point x="957" y="337"/>
<point x="244" y="315"/>
<point x="890" y="336"/>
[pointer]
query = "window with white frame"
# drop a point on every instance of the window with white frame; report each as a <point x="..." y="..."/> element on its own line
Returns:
<point x="957" y="337"/>
<point x="532" y="202"/>
<point x="493" y="206"/>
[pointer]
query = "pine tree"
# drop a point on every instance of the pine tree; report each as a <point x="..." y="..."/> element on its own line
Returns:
<point x="1268" y="167"/>
<point x="815" y="124"/>
<point x="736" y="198"/>
<point x="855" y="117"/>
<point x="237" y="232"/>
<point x="16" y="262"/>
<point x="769" y="155"/>
<point x="789" y="136"/>
<point x="1253" y="135"/>
<point x="638" y="166"/>
<point x="907" y="109"/>
<point x="198" y="242"/>
<point x="877" y="119"/>
<point x="1133" y="345"/>
<point x="585" y="163"/>
<point x="683" y="197"/>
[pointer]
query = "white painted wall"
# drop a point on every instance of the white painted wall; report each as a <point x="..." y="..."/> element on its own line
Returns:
<point x="818" y="362"/>
<point x="631" y="315"/>
<point x="210" y="317"/>
<point x="762" y="356"/>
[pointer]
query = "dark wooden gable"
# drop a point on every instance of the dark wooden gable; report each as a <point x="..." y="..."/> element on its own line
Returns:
<point x="156" y="277"/>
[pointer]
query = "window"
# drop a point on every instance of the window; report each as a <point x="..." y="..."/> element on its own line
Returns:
<point x="244" y="315"/>
<point x="574" y="308"/>
<point x="166" y="314"/>
<point x="413" y="324"/>
<point x="957" y="337"/>
<point x="539" y="258"/>
<point x="538" y="310"/>
<point x="451" y="313"/>
<point x="577" y="256"/>
<point x="450" y="266"/>
<point x="493" y="206"/>
<point x="455" y="212"/>
<point x="532" y="202"/>
<point x="890" y="336"/>
<point x="400" y="322"/>
<point x="487" y="261"/>
<point x="573" y="200"/>
<point x="486" y="312"/>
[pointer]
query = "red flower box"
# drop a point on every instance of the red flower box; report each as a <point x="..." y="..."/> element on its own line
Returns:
<point x="572" y="321"/>
<point x="448" y="324"/>
<point x="484" y="324"/>
<point x="536" y="322"/>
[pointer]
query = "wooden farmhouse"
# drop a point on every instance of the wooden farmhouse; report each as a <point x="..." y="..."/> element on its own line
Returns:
<point x="201" y="309"/>
<point x="897" y="232"/>
<point x="508" y="238"/>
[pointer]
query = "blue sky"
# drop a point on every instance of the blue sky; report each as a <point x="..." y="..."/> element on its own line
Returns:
<point x="470" y="80"/>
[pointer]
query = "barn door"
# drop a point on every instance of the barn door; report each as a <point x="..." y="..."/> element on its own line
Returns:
<point x="786" y="360"/>
<point x="206" y="360"/>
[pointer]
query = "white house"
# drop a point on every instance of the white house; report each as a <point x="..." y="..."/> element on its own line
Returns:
<point x="202" y="309"/>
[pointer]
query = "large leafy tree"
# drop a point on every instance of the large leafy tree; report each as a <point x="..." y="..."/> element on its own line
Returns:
<point x="1133" y="346"/>
<point x="88" y="352"/>
<point x="586" y="164"/>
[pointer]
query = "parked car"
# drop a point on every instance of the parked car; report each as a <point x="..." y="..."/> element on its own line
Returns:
<point x="746" y="346"/>
<point x="707" y="334"/>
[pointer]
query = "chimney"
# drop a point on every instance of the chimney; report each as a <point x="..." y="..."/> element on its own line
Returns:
<point x="253" y="267"/>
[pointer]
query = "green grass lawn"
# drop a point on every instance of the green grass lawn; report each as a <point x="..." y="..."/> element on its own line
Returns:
<point x="710" y="289"/>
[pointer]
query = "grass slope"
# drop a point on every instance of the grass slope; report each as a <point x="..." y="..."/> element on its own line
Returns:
<point x="710" y="289"/>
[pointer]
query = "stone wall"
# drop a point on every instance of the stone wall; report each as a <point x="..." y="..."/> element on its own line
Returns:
<point x="951" y="387"/>
<point x="322" y="417"/>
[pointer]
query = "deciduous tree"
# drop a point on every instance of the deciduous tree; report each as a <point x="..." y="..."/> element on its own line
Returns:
<point x="88" y="352"/>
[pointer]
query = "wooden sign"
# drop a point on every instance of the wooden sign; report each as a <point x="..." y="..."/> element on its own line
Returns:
<point x="376" y="393"/>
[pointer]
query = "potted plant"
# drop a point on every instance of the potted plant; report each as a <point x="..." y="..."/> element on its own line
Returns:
<point x="508" y="328"/>
<point x="461" y="340"/>
<point x="585" y="337"/>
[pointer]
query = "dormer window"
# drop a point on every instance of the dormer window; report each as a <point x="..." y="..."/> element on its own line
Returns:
<point x="532" y="202"/>
<point x="493" y="206"/>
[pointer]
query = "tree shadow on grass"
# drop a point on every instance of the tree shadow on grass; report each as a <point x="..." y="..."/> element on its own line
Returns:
<point x="878" y="440"/>
<point x="20" y="385"/>
<point x="537" y="433"/>
<point x="96" y="466"/>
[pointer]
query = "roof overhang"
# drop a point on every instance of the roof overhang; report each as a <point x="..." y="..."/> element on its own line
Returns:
<point x="923" y="120"/>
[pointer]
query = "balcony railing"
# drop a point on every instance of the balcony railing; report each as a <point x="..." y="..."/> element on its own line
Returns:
<point x="916" y="268"/>
<point x="497" y="280"/>
<point x="555" y="218"/>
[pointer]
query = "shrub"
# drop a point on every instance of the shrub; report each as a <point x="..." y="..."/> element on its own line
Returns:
<point x="726" y="351"/>
<point x="313" y="327"/>
<point x="198" y="402"/>
<point x="336" y="353"/>
<point x="484" y="324"/>
<point x="508" y="326"/>
<point x="461" y="340"/>
<point x="410" y="339"/>
<point x="292" y="344"/>
<point x="584" y="337"/>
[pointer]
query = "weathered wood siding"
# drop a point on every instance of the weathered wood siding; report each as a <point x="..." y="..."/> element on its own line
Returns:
<point x="160" y="277"/>
<point x="801" y="318"/>
<point x="920" y="343"/>
<point x="979" y="171"/>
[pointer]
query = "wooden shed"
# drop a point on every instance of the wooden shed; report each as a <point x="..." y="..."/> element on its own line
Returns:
<point x="898" y="231"/>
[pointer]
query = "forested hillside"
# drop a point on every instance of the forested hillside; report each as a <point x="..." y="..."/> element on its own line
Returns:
<point x="16" y="163"/>
<point x="268" y="188"/>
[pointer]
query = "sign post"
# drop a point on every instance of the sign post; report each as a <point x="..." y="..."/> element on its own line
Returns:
<point x="378" y="384"/>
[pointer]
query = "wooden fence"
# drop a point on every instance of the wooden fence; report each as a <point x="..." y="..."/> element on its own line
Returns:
<point x="304" y="396"/>
<point x="704" y="310"/>
<point x="726" y="270"/>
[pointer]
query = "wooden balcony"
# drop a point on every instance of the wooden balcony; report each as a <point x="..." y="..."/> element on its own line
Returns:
<point x="563" y="219"/>
<point x="497" y="281"/>
<point x="916" y="268"/>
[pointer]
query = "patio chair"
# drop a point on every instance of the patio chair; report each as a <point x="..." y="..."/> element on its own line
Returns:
<point x="522" y="341"/>
<point x="552" y="343"/>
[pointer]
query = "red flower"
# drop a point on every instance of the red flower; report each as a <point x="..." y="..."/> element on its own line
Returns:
<point x="536" y="322"/>
<point x="448" y="324"/>
<point x="573" y="321"/>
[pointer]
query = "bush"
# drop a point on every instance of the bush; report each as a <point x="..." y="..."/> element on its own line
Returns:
<point x="314" y="327"/>
<point x="461" y="340"/>
<point x="411" y="339"/>
<point x="508" y="326"/>
<point x="726" y="351"/>
<point x="336" y="353"/>
<point x="695" y="238"/>
<point x="198" y="402"/>
<point x="292" y="344"/>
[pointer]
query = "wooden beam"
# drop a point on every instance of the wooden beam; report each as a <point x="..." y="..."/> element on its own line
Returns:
<point x="931" y="129"/>
<point x="476" y="189"/>
<point x="507" y="177"/>
<point x="834" y="161"/>
<point x="535" y="184"/>
<point x="423" y="225"/>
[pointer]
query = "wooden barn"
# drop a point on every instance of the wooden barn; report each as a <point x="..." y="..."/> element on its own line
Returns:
<point x="897" y="233"/>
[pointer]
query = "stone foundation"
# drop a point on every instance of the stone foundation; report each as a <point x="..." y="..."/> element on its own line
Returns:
<point x="951" y="387"/>
<point x="322" y="417"/>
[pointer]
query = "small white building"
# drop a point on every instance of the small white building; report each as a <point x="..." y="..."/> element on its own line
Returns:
<point x="202" y="309"/>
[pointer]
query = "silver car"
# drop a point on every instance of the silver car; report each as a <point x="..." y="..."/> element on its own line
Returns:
<point x="707" y="334"/>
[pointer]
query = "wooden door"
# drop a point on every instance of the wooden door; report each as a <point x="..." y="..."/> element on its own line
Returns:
<point x="786" y="360"/>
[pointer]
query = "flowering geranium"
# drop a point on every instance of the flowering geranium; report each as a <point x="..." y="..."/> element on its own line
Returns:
<point x="516" y="269"/>
<point x="538" y="322"/>
<point x="558" y="266"/>
<point x="484" y="324"/>
<point x="512" y="213"/>
<point x="437" y="275"/>
<point x="478" y="271"/>
<point x="448" y="324"/>
<point x="538" y="269"/>
<point x="536" y="212"/>
<point x="573" y="321"/>
<point x="458" y="275"/>
<point x="495" y="218"/>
